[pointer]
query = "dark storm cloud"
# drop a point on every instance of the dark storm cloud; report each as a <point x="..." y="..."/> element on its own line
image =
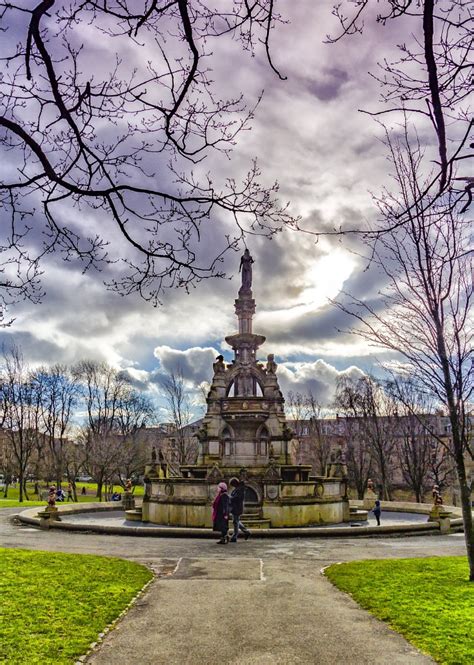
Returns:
<point x="33" y="349"/>
<point x="315" y="328"/>
<point x="327" y="86"/>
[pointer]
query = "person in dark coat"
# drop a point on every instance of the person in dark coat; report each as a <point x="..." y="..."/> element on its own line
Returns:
<point x="237" y="508"/>
<point x="220" y="513"/>
<point x="377" y="510"/>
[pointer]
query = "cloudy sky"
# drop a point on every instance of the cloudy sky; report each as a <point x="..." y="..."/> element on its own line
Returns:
<point x="327" y="157"/>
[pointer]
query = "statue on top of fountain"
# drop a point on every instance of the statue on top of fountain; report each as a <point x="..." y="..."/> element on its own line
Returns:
<point x="246" y="269"/>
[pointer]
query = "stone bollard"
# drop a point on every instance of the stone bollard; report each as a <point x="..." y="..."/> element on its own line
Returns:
<point x="50" y="514"/>
<point x="438" y="513"/>
<point x="128" y="501"/>
<point x="444" y="523"/>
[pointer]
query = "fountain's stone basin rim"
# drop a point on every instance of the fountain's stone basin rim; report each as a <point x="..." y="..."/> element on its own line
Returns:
<point x="30" y="516"/>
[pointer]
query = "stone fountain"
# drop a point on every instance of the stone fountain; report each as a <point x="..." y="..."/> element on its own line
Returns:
<point x="244" y="434"/>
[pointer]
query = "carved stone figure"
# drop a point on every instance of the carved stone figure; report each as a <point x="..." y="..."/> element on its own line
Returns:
<point x="246" y="269"/>
<point x="246" y="384"/>
<point x="153" y="455"/>
<point x="219" y="366"/>
<point x="271" y="364"/>
<point x="437" y="498"/>
<point x="272" y="474"/>
<point x="52" y="497"/>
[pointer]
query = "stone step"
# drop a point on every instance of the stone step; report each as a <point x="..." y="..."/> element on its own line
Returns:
<point x="357" y="515"/>
<point x="252" y="513"/>
<point x="134" y="515"/>
<point x="256" y="523"/>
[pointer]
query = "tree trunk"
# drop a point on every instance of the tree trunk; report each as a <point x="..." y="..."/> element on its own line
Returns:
<point x="5" y="491"/>
<point x="20" y="482"/>
<point x="465" y="492"/>
<point x="458" y="453"/>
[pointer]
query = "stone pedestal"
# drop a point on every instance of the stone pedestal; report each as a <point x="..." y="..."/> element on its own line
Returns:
<point x="370" y="498"/>
<point x="128" y="501"/>
<point x="48" y="515"/>
<point x="438" y="513"/>
<point x="346" y="511"/>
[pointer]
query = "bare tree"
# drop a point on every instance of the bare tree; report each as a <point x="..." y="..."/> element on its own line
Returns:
<point x="136" y="410"/>
<point x="179" y="414"/>
<point x="424" y="313"/>
<point x="359" y="459"/>
<point x="20" y="405"/>
<point x="115" y="414"/>
<point x="59" y="394"/>
<point x="367" y="401"/>
<point x="415" y="443"/>
<point x="102" y="391"/>
<point x="430" y="80"/>
<point x="306" y="416"/>
<point x="121" y="139"/>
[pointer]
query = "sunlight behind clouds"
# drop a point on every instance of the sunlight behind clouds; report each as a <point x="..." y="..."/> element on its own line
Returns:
<point x="323" y="281"/>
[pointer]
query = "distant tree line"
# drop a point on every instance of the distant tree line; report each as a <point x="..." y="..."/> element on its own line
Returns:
<point x="395" y="442"/>
<point x="60" y="422"/>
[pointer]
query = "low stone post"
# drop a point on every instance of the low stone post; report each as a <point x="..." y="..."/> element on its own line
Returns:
<point x="444" y="522"/>
<point x="128" y="500"/>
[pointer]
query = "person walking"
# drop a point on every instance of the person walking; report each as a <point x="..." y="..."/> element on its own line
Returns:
<point x="220" y="513"/>
<point x="377" y="510"/>
<point x="69" y="493"/>
<point x="237" y="508"/>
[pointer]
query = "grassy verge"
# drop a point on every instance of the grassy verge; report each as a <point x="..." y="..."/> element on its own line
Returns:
<point x="429" y="601"/>
<point x="54" y="605"/>
<point x="11" y="503"/>
<point x="91" y="489"/>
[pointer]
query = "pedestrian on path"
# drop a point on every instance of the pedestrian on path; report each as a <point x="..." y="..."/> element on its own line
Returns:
<point x="377" y="510"/>
<point x="220" y="513"/>
<point x="237" y="498"/>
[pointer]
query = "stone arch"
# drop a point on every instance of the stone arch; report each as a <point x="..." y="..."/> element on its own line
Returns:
<point x="263" y="440"/>
<point x="227" y="440"/>
<point x="252" y="493"/>
<point x="249" y="385"/>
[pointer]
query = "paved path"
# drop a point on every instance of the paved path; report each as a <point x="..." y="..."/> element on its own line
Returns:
<point x="260" y="602"/>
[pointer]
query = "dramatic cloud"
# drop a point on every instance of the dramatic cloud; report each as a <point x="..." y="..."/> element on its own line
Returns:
<point x="318" y="378"/>
<point x="194" y="364"/>
<point x="307" y="134"/>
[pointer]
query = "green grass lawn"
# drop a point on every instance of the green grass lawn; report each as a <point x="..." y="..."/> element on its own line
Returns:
<point x="91" y="488"/>
<point x="54" y="605"/>
<point x="429" y="601"/>
<point x="12" y="503"/>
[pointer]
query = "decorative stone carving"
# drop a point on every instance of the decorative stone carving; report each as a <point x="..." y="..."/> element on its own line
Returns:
<point x="214" y="474"/>
<point x="319" y="490"/>
<point x="337" y="467"/>
<point x="169" y="489"/>
<point x="219" y="366"/>
<point x="272" y="492"/>
<point x="243" y="473"/>
<point x="272" y="472"/>
<point x="271" y="364"/>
